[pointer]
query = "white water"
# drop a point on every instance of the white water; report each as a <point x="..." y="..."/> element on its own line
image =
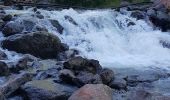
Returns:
<point x="105" y="36"/>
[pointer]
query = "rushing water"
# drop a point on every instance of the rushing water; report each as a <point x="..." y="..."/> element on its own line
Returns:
<point x="107" y="36"/>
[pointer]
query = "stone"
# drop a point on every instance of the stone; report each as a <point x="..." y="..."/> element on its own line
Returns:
<point x="12" y="28"/>
<point x="87" y="78"/>
<point x="47" y="90"/>
<point x="14" y="83"/>
<point x="71" y="20"/>
<point x="83" y="64"/>
<point x="118" y="83"/>
<point x="93" y="92"/>
<point x="40" y="44"/>
<point x="7" y="17"/>
<point x="4" y="70"/>
<point x="67" y="76"/>
<point x="3" y="55"/>
<point x="107" y="75"/>
<point x="57" y="25"/>
<point x="138" y="15"/>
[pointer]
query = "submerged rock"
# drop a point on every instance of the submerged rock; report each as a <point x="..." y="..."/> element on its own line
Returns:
<point x="138" y="15"/>
<point x="93" y="92"/>
<point x="40" y="44"/>
<point x="57" y="25"/>
<point x="47" y="90"/>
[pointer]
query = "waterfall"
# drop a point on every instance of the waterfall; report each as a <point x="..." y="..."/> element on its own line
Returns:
<point x="113" y="38"/>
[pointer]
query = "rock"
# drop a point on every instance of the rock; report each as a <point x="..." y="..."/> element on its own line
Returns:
<point x="3" y="55"/>
<point x="22" y="63"/>
<point x="39" y="44"/>
<point x="12" y="28"/>
<point x="57" y="25"/>
<point x="4" y="70"/>
<point x="145" y="95"/>
<point x="138" y="15"/>
<point x="68" y="54"/>
<point x="47" y="90"/>
<point x="82" y="64"/>
<point x="67" y="76"/>
<point x="14" y="83"/>
<point x="165" y="44"/>
<point x="71" y="20"/>
<point x="93" y="92"/>
<point x="160" y="19"/>
<point x="8" y="2"/>
<point x="119" y="84"/>
<point x="2" y="24"/>
<point x="107" y="75"/>
<point x="40" y="28"/>
<point x="28" y="24"/>
<point x="87" y="78"/>
<point x="7" y="17"/>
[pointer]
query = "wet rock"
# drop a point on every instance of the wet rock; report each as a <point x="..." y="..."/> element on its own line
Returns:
<point x="87" y="78"/>
<point x="22" y="63"/>
<point x="14" y="83"/>
<point x="57" y="25"/>
<point x="7" y="17"/>
<point x="145" y="95"/>
<point x="68" y="54"/>
<point x="165" y="44"/>
<point x="107" y="75"/>
<point x="3" y="55"/>
<point x="138" y="15"/>
<point x="8" y="2"/>
<point x="40" y="28"/>
<point x="119" y="84"/>
<point x="29" y="24"/>
<point x="47" y="90"/>
<point x="39" y="16"/>
<point x="161" y="20"/>
<point x="83" y="64"/>
<point x="39" y="44"/>
<point x="70" y="19"/>
<point x="50" y="73"/>
<point x="2" y="24"/>
<point x="93" y="92"/>
<point x="4" y="70"/>
<point x="12" y="28"/>
<point x="67" y="76"/>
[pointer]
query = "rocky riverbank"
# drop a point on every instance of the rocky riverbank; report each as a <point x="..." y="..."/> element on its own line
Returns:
<point x="47" y="69"/>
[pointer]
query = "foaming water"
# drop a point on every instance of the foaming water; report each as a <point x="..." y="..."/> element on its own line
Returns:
<point x="113" y="38"/>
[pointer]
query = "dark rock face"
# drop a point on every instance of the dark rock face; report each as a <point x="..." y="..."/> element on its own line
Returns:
<point x="39" y="44"/>
<point x="57" y="25"/>
<point x="93" y="92"/>
<point x="82" y="64"/>
<point x="12" y="28"/>
<point x="4" y="70"/>
<point x="47" y="90"/>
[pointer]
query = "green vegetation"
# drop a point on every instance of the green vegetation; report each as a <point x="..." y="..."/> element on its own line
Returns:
<point x="89" y="3"/>
<point x="94" y="3"/>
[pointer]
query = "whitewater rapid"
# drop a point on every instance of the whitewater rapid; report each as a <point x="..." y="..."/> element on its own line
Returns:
<point x="107" y="36"/>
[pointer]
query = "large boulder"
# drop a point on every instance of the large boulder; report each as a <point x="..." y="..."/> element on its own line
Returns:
<point x="83" y="64"/>
<point x="47" y="90"/>
<point x="40" y="44"/>
<point x="93" y="92"/>
<point x="12" y="28"/>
